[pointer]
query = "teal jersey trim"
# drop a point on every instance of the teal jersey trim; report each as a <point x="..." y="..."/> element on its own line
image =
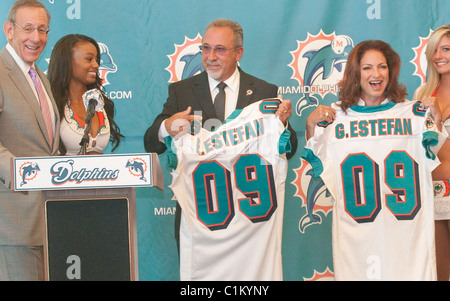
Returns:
<point x="172" y="160"/>
<point x="315" y="162"/>
<point x="233" y="115"/>
<point x="372" y="109"/>
<point x="284" y="143"/>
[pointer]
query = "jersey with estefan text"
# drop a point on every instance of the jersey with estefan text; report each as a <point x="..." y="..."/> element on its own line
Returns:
<point x="376" y="162"/>
<point x="230" y="185"/>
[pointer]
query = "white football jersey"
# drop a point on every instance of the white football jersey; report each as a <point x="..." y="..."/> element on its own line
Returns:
<point x="376" y="163"/>
<point x="230" y="185"/>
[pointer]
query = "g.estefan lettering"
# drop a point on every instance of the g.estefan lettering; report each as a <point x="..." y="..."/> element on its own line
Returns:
<point x="374" y="127"/>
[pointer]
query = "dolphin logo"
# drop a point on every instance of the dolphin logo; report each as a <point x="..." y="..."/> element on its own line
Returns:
<point x="27" y="172"/>
<point x="138" y="167"/>
<point x="107" y="64"/>
<point x="323" y="62"/>
<point x="186" y="60"/>
<point x="193" y="64"/>
<point x="106" y="60"/>
<point x="315" y="190"/>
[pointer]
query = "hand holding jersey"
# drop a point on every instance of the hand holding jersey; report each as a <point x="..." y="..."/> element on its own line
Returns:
<point x="430" y="103"/>
<point x="180" y="123"/>
<point x="221" y="50"/>
<point x="320" y="114"/>
<point x="284" y="110"/>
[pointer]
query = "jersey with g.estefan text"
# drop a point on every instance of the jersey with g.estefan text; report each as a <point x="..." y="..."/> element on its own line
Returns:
<point x="376" y="162"/>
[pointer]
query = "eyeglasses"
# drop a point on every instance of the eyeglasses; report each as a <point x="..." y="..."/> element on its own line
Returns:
<point x="29" y="29"/>
<point x="219" y="50"/>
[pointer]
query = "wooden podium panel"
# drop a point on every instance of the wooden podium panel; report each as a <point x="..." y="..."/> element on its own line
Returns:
<point x="90" y="234"/>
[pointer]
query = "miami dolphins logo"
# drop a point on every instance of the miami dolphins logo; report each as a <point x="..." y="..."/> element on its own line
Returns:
<point x="420" y="61"/>
<point x="106" y="64"/>
<point x="28" y="171"/>
<point x="429" y="123"/>
<point x="313" y="195"/>
<point x="186" y="61"/>
<point x="438" y="188"/>
<point x="137" y="167"/>
<point x="318" y="65"/>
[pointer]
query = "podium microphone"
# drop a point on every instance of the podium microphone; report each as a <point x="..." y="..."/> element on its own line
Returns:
<point x="93" y="101"/>
<point x="90" y="111"/>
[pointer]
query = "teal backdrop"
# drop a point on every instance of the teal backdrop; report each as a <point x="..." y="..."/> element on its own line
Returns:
<point x="299" y="45"/>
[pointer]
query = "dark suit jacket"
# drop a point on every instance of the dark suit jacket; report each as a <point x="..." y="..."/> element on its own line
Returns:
<point x="194" y="92"/>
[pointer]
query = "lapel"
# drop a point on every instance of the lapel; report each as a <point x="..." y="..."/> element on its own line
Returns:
<point x="18" y="79"/>
<point x="246" y="90"/>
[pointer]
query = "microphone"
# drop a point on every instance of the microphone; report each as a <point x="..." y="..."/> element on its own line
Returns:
<point x="90" y="111"/>
<point x="96" y="95"/>
<point x="93" y="102"/>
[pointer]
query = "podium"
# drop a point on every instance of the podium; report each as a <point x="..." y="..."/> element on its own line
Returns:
<point x="89" y="210"/>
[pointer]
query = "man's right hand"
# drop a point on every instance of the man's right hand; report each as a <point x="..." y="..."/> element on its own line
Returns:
<point x="180" y="123"/>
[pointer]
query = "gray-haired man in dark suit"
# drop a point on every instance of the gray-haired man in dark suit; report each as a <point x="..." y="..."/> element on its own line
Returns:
<point x="222" y="48"/>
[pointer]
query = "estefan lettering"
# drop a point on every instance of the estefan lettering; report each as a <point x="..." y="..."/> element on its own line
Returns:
<point x="231" y="137"/>
<point x="374" y="127"/>
<point x="63" y="172"/>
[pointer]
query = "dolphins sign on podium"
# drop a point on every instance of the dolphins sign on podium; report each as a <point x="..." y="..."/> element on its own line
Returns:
<point x="72" y="172"/>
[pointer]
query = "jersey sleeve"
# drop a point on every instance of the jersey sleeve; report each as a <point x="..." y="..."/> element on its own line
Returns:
<point x="314" y="150"/>
<point x="284" y="143"/>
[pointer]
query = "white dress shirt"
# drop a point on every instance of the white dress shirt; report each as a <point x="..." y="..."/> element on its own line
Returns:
<point x="231" y="92"/>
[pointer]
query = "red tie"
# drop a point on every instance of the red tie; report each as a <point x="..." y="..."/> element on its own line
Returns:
<point x="44" y="103"/>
